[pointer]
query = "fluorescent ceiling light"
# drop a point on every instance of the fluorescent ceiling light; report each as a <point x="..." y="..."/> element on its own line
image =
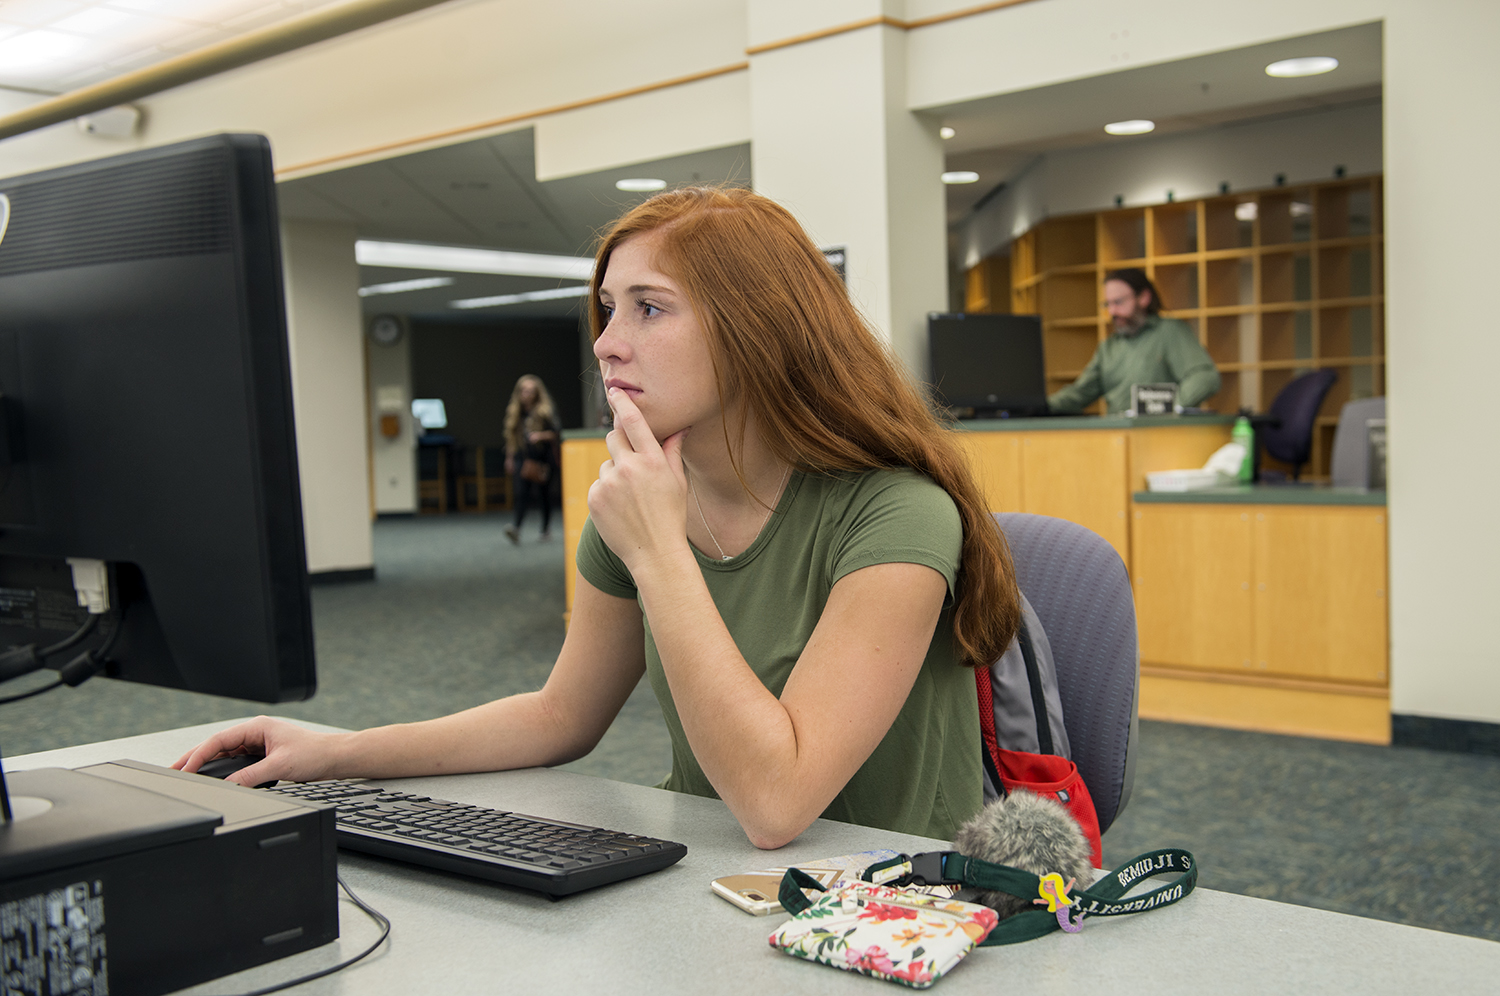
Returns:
<point x="458" y="259"/>
<point x="640" y="184"/>
<point x="402" y="286"/>
<point x="961" y="176"/>
<point x="1137" y="127"/>
<point x="503" y="299"/>
<point x="946" y="132"/>
<point x="1312" y="65"/>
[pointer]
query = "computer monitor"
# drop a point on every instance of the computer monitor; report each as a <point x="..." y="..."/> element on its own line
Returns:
<point x="989" y="364"/>
<point x="145" y="395"/>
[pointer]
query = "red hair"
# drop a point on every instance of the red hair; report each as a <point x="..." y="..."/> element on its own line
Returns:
<point x="827" y="394"/>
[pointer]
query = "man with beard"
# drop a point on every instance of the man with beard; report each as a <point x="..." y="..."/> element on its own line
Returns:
<point x="1144" y="349"/>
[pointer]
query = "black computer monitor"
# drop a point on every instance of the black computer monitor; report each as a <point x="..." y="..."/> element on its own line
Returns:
<point x="988" y="364"/>
<point x="145" y="389"/>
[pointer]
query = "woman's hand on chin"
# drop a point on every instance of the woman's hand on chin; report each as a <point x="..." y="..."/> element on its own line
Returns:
<point x="639" y="502"/>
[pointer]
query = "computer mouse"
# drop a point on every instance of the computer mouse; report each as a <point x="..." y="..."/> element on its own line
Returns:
<point x="223" y="767"/>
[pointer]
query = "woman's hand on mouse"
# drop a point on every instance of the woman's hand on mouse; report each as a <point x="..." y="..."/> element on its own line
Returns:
<point x="291" y="753"/>
<point x="639" y="502"/>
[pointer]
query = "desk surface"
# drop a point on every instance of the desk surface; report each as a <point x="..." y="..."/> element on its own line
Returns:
<point x="666" y="932"/>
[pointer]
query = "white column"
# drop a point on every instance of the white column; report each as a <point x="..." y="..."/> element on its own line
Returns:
<point x="832" y="140"/>
<point x="328" y="390"/>
<point x="393" y="458"/>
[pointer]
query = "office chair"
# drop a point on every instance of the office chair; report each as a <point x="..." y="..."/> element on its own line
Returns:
<point x="1351" y="442"/>
<point x="1078" y="586"/>
<point x="1286" y="431"/>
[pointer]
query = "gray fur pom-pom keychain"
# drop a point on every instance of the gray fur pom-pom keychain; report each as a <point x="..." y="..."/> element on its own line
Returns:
<point x="1030" y="832"/>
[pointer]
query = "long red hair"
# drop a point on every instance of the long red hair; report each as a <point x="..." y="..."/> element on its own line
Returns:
<point x="826" y="392"/>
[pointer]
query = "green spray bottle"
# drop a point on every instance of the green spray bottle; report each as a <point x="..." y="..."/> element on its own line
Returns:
<point x="1245" y="436"/>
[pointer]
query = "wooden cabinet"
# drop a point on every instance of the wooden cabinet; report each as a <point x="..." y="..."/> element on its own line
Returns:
<point x="1274" y="282"/>
<point x="1085" y="475"/>
<point x="1319" y="592"/>
<point x="1192" y="575"/>
<point x="1079" y="476"/>
<point x="1265" y="617"/>
<point x="581" y="458"/>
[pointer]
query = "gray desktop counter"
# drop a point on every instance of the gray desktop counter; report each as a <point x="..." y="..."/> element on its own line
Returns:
<point x="667" y="933"/>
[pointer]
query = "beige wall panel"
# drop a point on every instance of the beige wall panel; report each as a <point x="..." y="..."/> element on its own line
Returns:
<point x="1320" y="600"/>
<point x="580" y="469"/>
<point x="1192" y="579"/>
<point x="996" y="459"/>
<point x="1178" y="448"/>
<point x="1078" y="476"/>
<point x="1366" y="719"/>
<point x="326" y="339"/>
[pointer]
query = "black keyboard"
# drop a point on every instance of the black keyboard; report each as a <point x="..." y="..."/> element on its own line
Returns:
<point x="546" y="855"/>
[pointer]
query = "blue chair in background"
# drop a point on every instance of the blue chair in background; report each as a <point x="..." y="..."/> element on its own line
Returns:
<point x="1286" y="431"/>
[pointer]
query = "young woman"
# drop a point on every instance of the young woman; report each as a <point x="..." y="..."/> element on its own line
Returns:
<point x="783" y="539"/>
<point x="531" y="440"/>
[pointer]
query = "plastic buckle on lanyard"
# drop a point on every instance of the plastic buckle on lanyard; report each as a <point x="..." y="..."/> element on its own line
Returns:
<point x="927" y="868"/>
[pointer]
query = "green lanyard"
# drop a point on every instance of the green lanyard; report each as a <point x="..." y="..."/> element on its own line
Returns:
<point x="1064" y="912"/>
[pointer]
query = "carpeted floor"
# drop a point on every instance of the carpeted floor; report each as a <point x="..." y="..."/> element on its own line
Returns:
<point x="458" y="616"/>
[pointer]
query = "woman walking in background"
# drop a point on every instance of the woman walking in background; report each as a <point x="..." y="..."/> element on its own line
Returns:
<point x="531" y="435"/>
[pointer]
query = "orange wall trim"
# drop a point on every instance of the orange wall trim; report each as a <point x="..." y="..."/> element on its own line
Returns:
<point x="894" y="22"/>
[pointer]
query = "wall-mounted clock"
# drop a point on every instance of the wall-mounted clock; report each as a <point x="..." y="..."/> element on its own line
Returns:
<point x="385" y="330"/>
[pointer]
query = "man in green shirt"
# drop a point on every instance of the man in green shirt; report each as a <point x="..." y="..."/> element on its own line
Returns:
<point x="1144" y="349"/>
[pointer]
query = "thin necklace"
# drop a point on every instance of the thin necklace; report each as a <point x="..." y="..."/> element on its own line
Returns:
<point x="769" y="509"/>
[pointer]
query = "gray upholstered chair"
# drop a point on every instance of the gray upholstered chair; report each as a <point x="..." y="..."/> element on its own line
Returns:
<point x="1351" y="442"/>
<point x="1078" y="586"/>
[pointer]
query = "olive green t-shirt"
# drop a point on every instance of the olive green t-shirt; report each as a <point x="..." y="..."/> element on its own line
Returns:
<point x="925" y="777"/>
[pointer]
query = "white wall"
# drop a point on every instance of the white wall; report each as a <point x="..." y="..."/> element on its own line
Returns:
<point x="1304" y="148"/>
<point x="328" y="392"/>
<point x="393" y="460"/>
<point x="1442" y="257"/>
<point x="833" y="141"/>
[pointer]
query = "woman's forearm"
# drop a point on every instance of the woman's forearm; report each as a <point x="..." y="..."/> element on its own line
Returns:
<point x="741" y="735"/>
<point x="520" y="731"/>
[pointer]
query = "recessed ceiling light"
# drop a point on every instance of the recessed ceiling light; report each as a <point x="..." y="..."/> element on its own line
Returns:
<point x="551" y="294"/>
<point x="402" y="286"/>
<point x="640" y="184"/>
<point x="946" y="132"/>
<point x="961" y="176"/>
<point x="460" y="259"/>
<point x="1137" y="127"/>
<point x="1311" y="65"/>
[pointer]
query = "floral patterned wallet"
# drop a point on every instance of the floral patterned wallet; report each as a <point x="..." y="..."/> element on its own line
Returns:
<point x="895" y="934"/>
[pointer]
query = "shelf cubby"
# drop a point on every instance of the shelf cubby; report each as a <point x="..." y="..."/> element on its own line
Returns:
<point x="1274" y="283"/>
<point x="1178" y="284"/>
<point x="1122" y="236"/>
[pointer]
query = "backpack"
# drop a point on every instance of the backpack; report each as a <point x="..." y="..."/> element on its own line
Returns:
<point x="1024" y="743"/>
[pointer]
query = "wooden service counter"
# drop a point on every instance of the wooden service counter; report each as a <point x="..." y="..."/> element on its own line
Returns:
<point x="1264" y="608"/>
<point x="1083" y="469"/>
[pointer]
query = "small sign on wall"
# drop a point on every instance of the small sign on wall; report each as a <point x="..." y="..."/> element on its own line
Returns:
<point x="836" y="256"/>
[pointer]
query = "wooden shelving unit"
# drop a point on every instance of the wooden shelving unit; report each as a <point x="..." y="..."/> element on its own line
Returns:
<point x="1275" y="283"/>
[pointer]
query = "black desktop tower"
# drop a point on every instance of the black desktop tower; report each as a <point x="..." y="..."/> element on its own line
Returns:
<point x="133" y="880"/>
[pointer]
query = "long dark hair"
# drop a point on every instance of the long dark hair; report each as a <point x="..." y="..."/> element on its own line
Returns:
<point x="1137" y="281"/>
<point x="827" y="392"/>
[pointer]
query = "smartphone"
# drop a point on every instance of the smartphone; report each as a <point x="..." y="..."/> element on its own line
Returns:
<point x="755" y="892"/>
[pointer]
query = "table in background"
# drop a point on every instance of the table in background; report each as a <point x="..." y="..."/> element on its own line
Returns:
<point x="667" y="933"/>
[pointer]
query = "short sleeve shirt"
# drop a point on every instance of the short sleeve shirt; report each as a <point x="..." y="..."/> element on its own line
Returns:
<point x="925" y="777"/>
